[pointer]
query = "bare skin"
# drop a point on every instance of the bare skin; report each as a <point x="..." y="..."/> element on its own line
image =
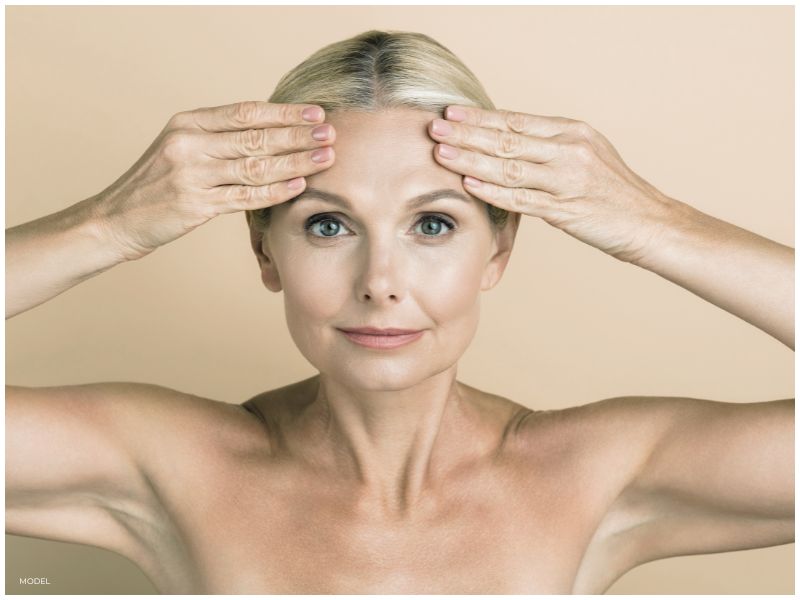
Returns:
<point x="384" y="473"/>
<point x="265" y="507"/>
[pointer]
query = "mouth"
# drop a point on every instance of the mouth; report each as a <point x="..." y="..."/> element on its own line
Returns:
<point x="372" y="337"/>
<point x="377" y="331"/>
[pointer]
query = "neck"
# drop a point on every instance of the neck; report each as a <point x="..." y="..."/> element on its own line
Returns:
<point x="388" y="441"/>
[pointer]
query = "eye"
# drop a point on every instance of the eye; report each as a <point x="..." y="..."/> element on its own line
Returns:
<point x="434" y="226"/>
<point x="329" y="226"/>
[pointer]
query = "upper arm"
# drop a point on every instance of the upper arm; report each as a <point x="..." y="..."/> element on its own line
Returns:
<point x="715" y="477"/>
<point x="71" y="465"/>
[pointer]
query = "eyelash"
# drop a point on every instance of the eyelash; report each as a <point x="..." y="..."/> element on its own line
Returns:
<point x="321" y="218"/>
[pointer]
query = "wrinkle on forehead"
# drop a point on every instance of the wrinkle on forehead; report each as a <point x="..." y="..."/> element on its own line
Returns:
<point x="380" y="150"/>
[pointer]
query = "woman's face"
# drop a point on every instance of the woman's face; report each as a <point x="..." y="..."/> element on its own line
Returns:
<point x="380" y="260"/>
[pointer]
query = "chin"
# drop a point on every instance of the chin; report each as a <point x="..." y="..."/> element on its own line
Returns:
<point x="390" y="375"/>
<point x="380" y="374"/>
<point x="381" y="370"/>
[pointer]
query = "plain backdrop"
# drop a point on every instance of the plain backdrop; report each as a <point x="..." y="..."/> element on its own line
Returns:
<point x="698" y="101"/>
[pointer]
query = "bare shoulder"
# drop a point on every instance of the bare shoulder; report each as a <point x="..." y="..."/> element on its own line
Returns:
<point x="607" y="428"/>
<point x="598" y="448"/>
<point x="167" y="416"/>
<point x="604" y="444"/>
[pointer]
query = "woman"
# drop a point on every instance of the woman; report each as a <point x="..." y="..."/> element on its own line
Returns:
<point x="382" y="224"/>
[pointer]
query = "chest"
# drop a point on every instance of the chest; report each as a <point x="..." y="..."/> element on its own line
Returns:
<point x="251" y="530"/>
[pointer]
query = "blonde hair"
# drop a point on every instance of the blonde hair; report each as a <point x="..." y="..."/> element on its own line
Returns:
<point x="378" y="70"/>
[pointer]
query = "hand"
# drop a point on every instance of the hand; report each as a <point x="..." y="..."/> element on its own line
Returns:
<point x="558" y="169"/>
<point x="207" y="162"/>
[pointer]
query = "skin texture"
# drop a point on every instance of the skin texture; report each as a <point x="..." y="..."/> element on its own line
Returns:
<point x="385" y="474"/>
<point x="381" y="411"/>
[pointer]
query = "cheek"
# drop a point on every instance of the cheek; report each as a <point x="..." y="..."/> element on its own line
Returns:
<point x="444" y="281"/>
<point x="314" y="285"/>
<point x="448" y="282"/>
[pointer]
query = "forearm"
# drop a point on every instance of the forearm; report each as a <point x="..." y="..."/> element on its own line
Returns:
<point x="48" y="256"/>
<point x="743" y="273"/>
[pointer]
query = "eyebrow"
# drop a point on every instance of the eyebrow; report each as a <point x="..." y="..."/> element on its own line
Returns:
<point x="414" y="202"/>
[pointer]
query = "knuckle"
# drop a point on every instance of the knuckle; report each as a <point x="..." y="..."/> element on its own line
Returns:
<point x="300" y="136"/>
<point x="181" y="120"/>
<point x="515" y="121"/>
<point x="242" y="196"/>
<point x="582" y="150"/>
<point x="519" y="199"/>
<point x="561" y="144"/>
<point x="479" y="118"/>
<point x="582" y="129"/>
<point x="245" y="112"/>
<point x="251" y="140"/>
<point x="176" y="146"/>
<point x="512" y="173"/>
<point x="508" y="144"/>
<point x="254" y="169"/>
<point x="267" y="193"/>
<point x="286" y="113"/>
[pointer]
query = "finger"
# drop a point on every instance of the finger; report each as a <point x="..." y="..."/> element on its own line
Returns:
<point x="250" y="114"/>
<point x="262" y="170"/>
<point x="535" y="203"/>
<point x="508" y="120"/>
<point x="495" y="142"/>
<point x="507" y="172"/>
<point x="233" y="198"/>
<point x="271" y="141"/>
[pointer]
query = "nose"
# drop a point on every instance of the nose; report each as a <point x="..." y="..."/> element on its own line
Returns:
<point x="381" y="279"/>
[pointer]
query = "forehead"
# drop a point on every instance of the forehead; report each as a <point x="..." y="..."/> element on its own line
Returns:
<point x="382" y="152"/>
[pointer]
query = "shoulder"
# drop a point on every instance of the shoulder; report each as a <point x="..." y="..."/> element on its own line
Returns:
<point x="606" y="440"/>
<point x="621" y="418"/>
<point x="160" y="424"/>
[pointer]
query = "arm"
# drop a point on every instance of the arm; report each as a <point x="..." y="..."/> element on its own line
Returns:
<point x="76" y="464"/>
<point x="71" y="471"/>
<point x="48" y="256"/>
<point x="716" y="476"/>
<point x="712" y="477"/>
<point x="699" y="476"/>
<point x="739" y="271"/>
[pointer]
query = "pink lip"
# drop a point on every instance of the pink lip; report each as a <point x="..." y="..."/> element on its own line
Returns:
<point x="382" y="338"/>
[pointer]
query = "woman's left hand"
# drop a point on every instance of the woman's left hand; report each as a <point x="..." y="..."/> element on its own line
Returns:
<point x="558" y="169"/>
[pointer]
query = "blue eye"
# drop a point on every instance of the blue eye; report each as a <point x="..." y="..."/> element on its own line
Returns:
<point x="438" y="224"/>
<point x="330" y="226"/>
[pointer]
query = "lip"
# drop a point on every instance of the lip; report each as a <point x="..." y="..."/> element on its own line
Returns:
<point x="377" y="331"/>
<point x="372" y="337"/>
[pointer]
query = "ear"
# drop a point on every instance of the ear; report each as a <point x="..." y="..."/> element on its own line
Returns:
<point x="259" y="243"/>
<point x="501" y="251"/>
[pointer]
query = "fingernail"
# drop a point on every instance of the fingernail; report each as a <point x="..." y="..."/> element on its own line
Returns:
<point x="295" y="184"/>
<point x="320" y="155"/>
<point x="471" y="181"/>
<point x="447" y="151"/>
<point x="441" y="127"/>
<point x="312" y="113"/>
<point x="321" y="132"/>
<point x="455" y="114"/>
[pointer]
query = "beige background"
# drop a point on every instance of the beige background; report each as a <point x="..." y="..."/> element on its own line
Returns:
<point x="698" y="101"/>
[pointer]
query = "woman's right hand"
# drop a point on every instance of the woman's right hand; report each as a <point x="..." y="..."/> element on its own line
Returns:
<point x="212" y="161"/>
